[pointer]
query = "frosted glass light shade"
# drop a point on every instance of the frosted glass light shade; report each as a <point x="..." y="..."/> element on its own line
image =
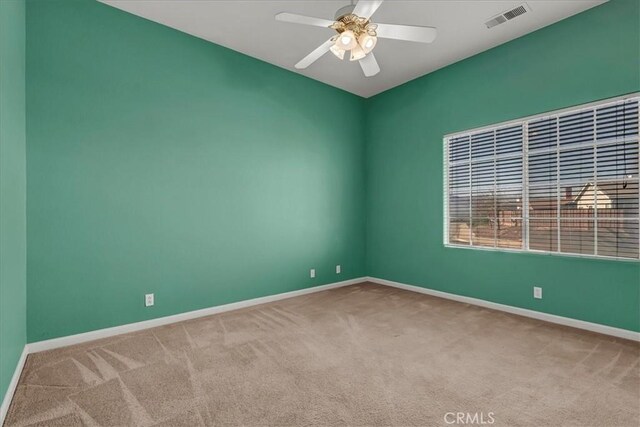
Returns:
<point x="337" y="51"/>
<point x="367" y="42"/>
<point x="347" y="40"/>
<point x="357" y="53"/>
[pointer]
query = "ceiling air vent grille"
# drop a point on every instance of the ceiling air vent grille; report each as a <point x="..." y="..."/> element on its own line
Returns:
<point x="507" y="16"/>
<point x="496" y="21"/>
<point x="515" y="12"/>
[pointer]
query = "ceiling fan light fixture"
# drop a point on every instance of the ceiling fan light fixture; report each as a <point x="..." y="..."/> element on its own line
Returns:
<point x="357" y="53"/>
<point x="347" y="40"/>
<point x="337" y="51"/>
<point x="367" y="42"/>
<point x="354" y="32"/>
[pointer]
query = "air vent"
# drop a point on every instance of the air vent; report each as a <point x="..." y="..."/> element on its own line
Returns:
<point x="507" y="16"/>
<point x="515" y="12"/>
<point x="496" y="21"/>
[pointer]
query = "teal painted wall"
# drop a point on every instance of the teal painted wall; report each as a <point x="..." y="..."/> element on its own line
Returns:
<point x="590" y="56"/>
<point x="13" y="220"/>
<point x="159" y="162"/>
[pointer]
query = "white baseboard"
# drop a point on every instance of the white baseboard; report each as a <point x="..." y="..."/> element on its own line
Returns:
<point x="152" y="323"/>
<point x="6" y="401"/>
<point x="566" y="321"/>
<point x="132" y="327"/>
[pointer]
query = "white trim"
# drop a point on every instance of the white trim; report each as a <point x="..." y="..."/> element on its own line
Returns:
<point x="601" y="102"/>
<point x="152" y="323"/>
<point x="445" y="190"/>
<point x="538" y="252"/>
<point x="6" y="401"/>
<point x="552" y="318"/>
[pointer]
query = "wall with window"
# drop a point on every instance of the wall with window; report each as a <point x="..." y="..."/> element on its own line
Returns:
<point x="591" y="56"/>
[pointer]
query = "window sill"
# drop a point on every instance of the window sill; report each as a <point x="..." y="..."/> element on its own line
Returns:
<point x="543" y="253"/>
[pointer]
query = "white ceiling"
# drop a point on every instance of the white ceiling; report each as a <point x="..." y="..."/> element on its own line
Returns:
<point x="249" y="27"/>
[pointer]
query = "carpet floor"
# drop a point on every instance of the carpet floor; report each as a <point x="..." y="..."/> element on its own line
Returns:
<point x="364" y="355"/>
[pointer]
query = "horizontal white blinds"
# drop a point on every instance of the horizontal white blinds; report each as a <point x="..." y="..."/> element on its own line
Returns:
<point x="485" y="178"/>
<point x="563" y="183"/>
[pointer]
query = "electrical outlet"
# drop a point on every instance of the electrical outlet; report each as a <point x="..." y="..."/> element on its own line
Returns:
<point x="148" y="300"/>
<point x="312" y="273"/>
<point x="338" y="269"/>
<point x="537" y="292"/>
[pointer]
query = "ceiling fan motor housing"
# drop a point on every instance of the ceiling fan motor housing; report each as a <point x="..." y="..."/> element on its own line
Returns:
<point x="355" y="24"/>
<point x="344" y="11"/>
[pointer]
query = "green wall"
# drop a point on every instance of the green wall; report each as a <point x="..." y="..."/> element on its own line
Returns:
<point x="591" y="56"/>
<point x="159" y="162"/>
<point x="13" y="220"/>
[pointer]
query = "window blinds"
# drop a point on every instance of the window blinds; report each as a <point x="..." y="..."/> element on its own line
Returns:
<point x="562" y="183"/>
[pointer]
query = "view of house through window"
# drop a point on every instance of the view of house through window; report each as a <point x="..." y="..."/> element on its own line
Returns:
<point x="565" y="182"/>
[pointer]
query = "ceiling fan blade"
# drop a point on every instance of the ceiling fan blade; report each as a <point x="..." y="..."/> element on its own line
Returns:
<point x="315" y="54"/>
<point x="366" y="8"/>
<point x="369" y="65"/>
<point x="410" y="33"/>
<point x="304" y="20"/>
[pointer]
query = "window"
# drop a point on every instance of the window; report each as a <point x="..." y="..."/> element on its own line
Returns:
<point x="565" y="182"/>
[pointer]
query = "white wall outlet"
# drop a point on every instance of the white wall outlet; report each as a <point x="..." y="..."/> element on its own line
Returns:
<point x="537" y="292"/>
<point x="148" y="300"/>
<point x="312" y="273"/>
<point x="338" y="269"/>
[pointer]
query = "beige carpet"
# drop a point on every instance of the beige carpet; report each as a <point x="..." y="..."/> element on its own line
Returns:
<point x="360" y="355"/>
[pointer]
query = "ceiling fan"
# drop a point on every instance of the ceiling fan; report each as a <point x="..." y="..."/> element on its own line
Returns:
<point x="357" y="34"/>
